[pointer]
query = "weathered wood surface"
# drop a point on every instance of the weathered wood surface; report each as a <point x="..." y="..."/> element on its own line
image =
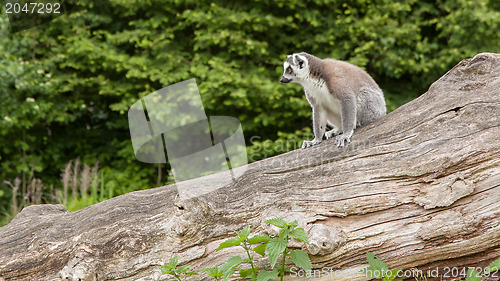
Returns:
<point x="419" y="188"/>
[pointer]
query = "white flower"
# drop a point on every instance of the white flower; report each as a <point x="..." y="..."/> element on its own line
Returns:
<point x="37" y="107"/>
<point x="40" y="71"/>
<point x="7" y="118"/>
<point x="30" y="99"/>
<point x="48" y="75"/>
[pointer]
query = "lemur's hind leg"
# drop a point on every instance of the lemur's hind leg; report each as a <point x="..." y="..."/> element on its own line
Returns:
<point x="335" y="122"/>
<point x="335" y="131"/>
<point x="332" y="133"/>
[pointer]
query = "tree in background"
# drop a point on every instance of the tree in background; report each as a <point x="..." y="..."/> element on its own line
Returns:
<point x="66" y="85"/>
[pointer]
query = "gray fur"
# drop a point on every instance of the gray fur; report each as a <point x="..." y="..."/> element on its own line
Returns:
<point x="341" y="95"/>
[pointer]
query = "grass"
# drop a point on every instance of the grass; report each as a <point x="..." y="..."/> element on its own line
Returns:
<point x="81" y="186"/>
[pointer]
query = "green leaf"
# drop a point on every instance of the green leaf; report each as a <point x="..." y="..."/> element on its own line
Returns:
<point x="258" y="239"/>
<point x="243" y="234"/>
<point x="210" y="271"/>
<point x="300" y="235"/>
<point x="274" y="248"/>
<point x="301" y="259"/>
<point x="165" y="269"/>
<point x="293" y="224"/>
<point x="277" y="222"/>
<point x="283" y="233"/>
<point x="245" y="272"/>
<point x="229" y="266"/>
<point x="376" y="262"/>
<point x="172" y="263"/>
<point x="232" y="263"/>
<point x="376" y="265"/>
<point x="495" y="265"/>
<point x="267" y="275"/>
<point x="229" y="243"/>
<point x="213" y="272"/>
<point x="260" y="249"/>
<point x="473" y="275"/>
<point x="248" y="273"/>
<point x="184" y="270"/>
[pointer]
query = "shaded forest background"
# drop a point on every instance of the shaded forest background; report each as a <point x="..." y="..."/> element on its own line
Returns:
<point x="66" y="85"/>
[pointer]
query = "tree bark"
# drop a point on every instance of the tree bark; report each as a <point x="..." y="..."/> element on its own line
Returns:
<point x="419" y="187"/>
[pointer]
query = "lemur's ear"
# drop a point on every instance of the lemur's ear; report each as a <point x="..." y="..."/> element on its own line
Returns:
<point x="299" y="61"/>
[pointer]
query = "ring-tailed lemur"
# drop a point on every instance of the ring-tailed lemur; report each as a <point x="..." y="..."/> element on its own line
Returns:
<point x="341" y="94"/>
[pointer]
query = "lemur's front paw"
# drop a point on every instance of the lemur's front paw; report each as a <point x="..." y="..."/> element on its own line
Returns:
<point x="340" y="139"/>
<point x="306" y="144"/>
<point x="332" y="133"/>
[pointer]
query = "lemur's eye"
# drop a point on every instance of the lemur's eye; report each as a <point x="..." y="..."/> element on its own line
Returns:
<point x="289" y="70"/>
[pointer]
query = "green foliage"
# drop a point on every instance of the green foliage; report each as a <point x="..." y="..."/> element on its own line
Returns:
<point x="377" y="268"/>
<point x="176" y="271"/>
<point x="277" y="222"/>
<point x="258" y="239"/>
<point x="66" y="85"/>
<point x="301" y="259"/>
<point x="275" y="247"/>
<point x="268" y="275"/>
<point x="216" y="272"/>
<point x="229" y="243"/>
<point x="278" y="246"/>
<point x="258" y="244"/>
<point x="245" y="242"/>
<point x="229" y="267"/>
<point x="299" y="234"/>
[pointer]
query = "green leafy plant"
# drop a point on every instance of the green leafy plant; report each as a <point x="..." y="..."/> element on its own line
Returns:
<point x="215" y="272"/>
<point x="256" y="244"/>
<point x="177" y="271"/>
<point x="279" y="246"/>
<point x="250" y="246"/>
<point x="260" y="244"/>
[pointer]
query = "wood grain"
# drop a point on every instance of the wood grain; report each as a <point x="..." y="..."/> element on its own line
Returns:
<point x="419" y="187"/>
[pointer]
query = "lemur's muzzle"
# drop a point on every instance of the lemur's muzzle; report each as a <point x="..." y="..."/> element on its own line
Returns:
<point x="285" y="80"/>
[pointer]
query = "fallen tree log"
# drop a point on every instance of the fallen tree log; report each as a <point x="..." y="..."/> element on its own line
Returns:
<point x="419" y="187"/>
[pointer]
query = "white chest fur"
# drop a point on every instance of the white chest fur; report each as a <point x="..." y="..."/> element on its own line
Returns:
<point x="321" y="96"/>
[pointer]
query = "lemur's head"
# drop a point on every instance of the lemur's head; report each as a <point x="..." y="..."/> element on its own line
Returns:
<point x="296" y="68"/>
